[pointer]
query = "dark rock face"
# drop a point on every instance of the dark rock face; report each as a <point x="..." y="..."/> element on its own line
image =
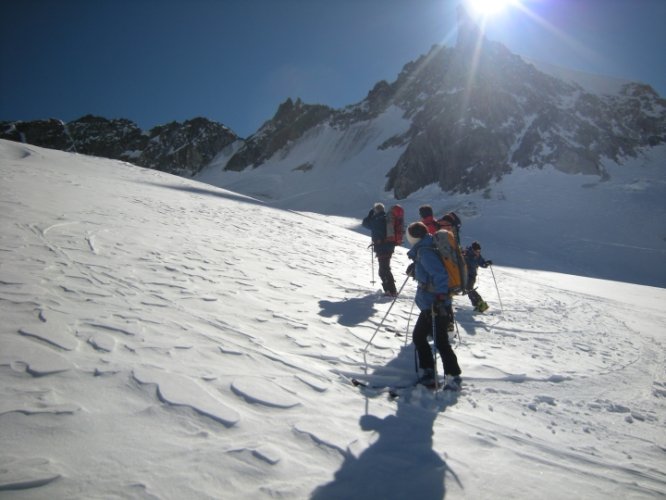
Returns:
<point x="117" y="139"/>
<point x="185" y="148"/>
<point x="50" y="133"/>
<point x="178" y="148"/>
<point x="290" y="122"/>
<point x="506" y="115"/>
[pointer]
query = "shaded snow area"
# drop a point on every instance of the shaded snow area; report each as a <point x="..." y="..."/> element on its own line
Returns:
<point x="165" y="339"/>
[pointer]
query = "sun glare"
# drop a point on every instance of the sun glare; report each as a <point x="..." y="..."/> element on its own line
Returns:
<point x="488" y="7"/>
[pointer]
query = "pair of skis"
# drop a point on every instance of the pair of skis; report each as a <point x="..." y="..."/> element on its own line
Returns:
<point x="395" y="391"/>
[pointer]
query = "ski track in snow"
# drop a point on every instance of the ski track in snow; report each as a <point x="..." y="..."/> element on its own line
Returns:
<point x="173" y="316"/>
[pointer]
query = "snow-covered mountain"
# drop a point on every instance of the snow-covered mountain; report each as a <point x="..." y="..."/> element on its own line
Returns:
<point x="472" y="114"/>
<point x="165" y="339"/>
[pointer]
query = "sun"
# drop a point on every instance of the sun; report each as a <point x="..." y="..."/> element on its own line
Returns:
<point x="489" y="7"/>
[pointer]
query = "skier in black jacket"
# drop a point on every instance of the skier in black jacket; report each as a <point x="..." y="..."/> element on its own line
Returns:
<point x="376" y="223"/>
<point x="474" y="260"/>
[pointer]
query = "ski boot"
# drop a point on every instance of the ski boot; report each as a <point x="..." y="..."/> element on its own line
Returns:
<point x="428" y="378"/>
<point x="453" y="382"/>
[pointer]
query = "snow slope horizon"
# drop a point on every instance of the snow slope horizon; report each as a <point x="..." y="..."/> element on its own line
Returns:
<point x="534" y="219"/>
<point x="155" y="344"/>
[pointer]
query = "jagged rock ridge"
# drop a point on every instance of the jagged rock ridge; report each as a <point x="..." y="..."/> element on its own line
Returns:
<point x="178" y="148"/>
<point x="291" y="120"/>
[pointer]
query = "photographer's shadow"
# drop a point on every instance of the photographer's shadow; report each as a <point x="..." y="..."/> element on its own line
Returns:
<point x="401" y="463"/>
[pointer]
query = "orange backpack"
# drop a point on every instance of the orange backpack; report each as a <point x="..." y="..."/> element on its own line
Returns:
<point x="449" y="251"/>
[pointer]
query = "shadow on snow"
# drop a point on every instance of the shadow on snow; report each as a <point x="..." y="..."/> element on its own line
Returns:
<point x="401" y="463"/>
<point x="350" y="312"/>
<point x="214" y="192"/>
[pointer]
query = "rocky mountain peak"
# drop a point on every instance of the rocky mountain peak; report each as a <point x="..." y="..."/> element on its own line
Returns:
<point x="475" y="123"/>
<point x="178" y="148"/>
<point x="290" y="122"/>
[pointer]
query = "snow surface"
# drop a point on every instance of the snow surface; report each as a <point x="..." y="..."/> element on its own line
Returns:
<point x="162" y="338"/>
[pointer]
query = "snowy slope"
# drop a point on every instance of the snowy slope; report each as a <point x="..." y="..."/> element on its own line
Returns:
<point x="158" y="342"/>
<point x="325" y="166"/>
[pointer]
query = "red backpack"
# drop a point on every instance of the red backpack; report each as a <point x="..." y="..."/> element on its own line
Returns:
<point x="395" y="224"/>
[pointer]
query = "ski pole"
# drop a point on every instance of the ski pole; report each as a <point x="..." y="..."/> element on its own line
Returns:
<point x="416" y="357"/>
<point x="457" y="332"/>
<point x="455" y="326"/>
<point x="372" y="264"/>
<point x="416" y="361"/>
<point x="497" y="288"/>
<point x="409" y="319"/>
<point x="454" y="321"/>
<point x="385" y="315"/>
<point x="434" y="340"/>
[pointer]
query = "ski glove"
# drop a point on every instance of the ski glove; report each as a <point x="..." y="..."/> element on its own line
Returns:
<point x="489" y="263"/>
<point x="410" y="270"/>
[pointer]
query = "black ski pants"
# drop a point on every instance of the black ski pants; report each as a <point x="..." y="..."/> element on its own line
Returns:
<point x="474" y="296"/>
<point x="423" y="330"/>
<point x="385" y="274"/>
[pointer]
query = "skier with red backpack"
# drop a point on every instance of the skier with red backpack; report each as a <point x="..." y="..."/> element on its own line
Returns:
<point x="386" y="233"/>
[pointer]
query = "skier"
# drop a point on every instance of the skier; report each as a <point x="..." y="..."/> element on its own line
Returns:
<point x="474" y="260"/>
<point x="426" y="214"/>
<point x="376" y="223"/>
<point x="450" y="222"/>
<point x="432" y="298"/>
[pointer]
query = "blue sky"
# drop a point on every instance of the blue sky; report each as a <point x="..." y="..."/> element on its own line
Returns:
<point x="235" y="61"/>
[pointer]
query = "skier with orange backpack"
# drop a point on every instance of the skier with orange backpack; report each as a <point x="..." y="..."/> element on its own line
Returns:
<point x="434" y="300"/>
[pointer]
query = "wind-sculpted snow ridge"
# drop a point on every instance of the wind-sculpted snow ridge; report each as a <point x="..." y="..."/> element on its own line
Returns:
<point x="164" y="339"/>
